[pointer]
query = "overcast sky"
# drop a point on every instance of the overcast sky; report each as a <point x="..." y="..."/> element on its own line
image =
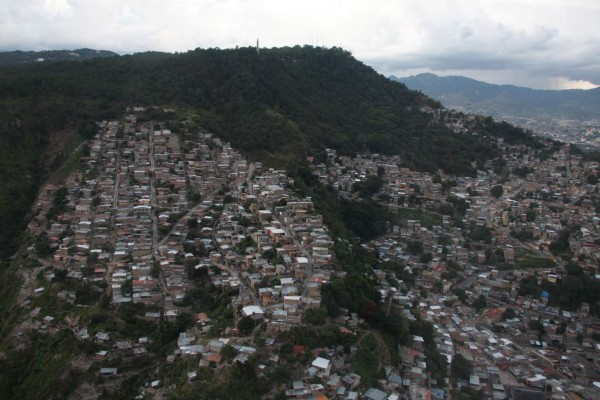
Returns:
<point x="553" y="44"/>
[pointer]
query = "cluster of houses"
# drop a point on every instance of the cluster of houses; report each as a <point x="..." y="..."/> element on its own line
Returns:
<point x="150" y="205"/>
<point x="143" y="205"/>
<point x="541" y="197"/>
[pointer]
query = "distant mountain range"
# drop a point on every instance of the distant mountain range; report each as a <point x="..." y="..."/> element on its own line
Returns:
<point x="470" y="95"/>
<point x="26" y="57"/>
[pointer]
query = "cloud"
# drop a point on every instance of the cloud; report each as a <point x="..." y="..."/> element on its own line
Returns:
<point x="128" y="17"/>
<point x="566" y="83"/>
<point x="465" y="32"/>
<point x="553" y="42"/>
<point x="58" y="8"/>
<point x="543" y="49"/>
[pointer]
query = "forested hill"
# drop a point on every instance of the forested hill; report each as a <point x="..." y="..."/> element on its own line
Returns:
<point x="277" y="106"/>
<point x="23" y="57"/>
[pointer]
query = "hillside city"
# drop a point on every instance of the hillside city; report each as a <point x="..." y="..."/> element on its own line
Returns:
<point x="582" y="133"/>
<point x="168" y="242"/>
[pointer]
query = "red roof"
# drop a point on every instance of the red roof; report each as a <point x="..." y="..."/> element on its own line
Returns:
<point x="214" y="357"/>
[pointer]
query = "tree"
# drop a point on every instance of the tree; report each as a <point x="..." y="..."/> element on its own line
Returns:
<point x="497" y="191"/>
<point x="414" y="247"/>
<point x="480" y="302"/>
<point x="155" y="271"/>
<point x="460" y="293"/>
<point x="245" y="325"/>
<point x="192" y="223"/>
<point x="460" y="368"/>
<point x="244" y="222"/>
<point x="574" y="269"/>
<point x="536" y="325"/>
<point x="42" y="247"/>
<point x="370" y="186"/>
<point x="270" y="255"/>
<point x="228" y="352"/>
<point x="315" y="316"/>
<point x="509" y="313"/>
<point x="425" y="258"/>
<point x="561" y="244"/>
<point x="96" y="201"/>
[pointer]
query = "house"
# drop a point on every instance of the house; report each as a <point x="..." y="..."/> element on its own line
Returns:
<point x="374" y="394"/>
<point x="108" y="371"/>
<point x="253" y="311"/>
<point x="102" y="337"/>
<point x="214" y="357"/>
<point x="323" y="367"/>
<point x="334" y="383"/>
<point x="352" y="380"/>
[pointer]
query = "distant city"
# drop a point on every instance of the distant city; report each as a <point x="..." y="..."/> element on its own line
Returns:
<point x="583" y="133"/>
<point x="570" y="116"/>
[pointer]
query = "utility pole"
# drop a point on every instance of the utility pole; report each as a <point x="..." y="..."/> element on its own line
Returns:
<point x="389" y="305"/>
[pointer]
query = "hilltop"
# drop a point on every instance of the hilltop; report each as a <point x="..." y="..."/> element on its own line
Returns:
<point x="19" y="57"/>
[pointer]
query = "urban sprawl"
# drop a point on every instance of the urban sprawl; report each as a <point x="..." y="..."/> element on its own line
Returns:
<point x="155" y="219"/>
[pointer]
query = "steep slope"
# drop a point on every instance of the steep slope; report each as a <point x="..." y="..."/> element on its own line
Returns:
<point x="498" y="100"/>
<point x="279" y="106"/>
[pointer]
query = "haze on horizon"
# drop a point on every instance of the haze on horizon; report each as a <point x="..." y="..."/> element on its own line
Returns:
<point x="550" y="44"/>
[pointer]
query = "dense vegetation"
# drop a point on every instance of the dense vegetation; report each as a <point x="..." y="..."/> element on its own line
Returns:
<point x="568" y="293"/>
<point x="279" y="102"/>
<point x="35" y="137"/>
<point x="23" y="57"/>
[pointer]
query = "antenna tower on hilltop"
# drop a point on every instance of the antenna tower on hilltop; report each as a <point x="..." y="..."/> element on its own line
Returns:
<point x="257" y="47"/>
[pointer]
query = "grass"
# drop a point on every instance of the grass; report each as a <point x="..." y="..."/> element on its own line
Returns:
<point x="41" y="371"/>
<point x="72" y="164"/>
<point x="535" y="262"/>
<point x="366" y="360"/>
<point x="426" y="218"/>
<point x="9" y="290"/>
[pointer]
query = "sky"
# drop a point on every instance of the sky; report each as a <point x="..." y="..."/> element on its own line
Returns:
<point x="543" y="44"/>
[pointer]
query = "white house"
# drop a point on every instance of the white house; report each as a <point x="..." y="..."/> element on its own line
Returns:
<point x="323" y="367"/>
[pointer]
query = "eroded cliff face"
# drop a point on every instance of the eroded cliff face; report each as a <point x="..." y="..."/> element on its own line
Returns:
<point x="34" y="142"/>
<point x="60" y="143"/>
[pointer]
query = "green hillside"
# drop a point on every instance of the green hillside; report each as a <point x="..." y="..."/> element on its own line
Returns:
<point x="276" y="106"/>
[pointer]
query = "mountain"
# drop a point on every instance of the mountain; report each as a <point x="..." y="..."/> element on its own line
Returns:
<point x="506" y="100"/>
<point x="27" y="57"/>
<point x="277" y="106"/>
